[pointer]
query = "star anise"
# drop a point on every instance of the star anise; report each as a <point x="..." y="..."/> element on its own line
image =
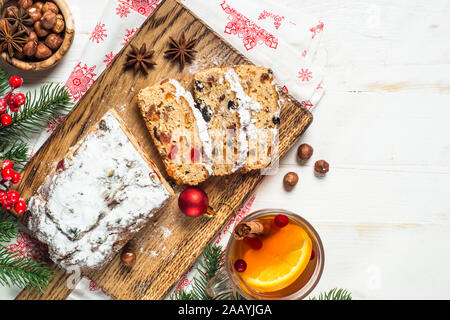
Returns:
<point x="10" y="39"/>
<point x="20" y="20"/>
<point x="181" y="49"/>
<point x="140" y="58"/>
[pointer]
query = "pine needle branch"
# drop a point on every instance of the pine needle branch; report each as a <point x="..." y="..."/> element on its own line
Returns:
<point x="334" y="294"/>
<point x="39" y="109"/>
<point x="8" y="227"/>
<point x="4" y="82"/>
<point x="16" y="270"/>
<point x="16" y="152"/>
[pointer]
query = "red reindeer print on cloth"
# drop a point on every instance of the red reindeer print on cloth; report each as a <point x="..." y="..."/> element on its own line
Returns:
<point x="109" y="58"/>
<point x="54" y="123"/>
<point x="128" y="34"/>
<point x="276" y="18"/>
<point x="307" y="104"/>
<point x="305" y="75"/>
<point x="143" y="7"/>
<point x="251" y="34"/>
<point x="28" y="247"/>
<point x="80" y="80"/>
<point x="99" y="33"/>
<point x="317" y="29"/>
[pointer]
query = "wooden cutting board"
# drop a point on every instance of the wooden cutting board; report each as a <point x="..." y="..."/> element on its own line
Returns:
<point x="172" y="242"/>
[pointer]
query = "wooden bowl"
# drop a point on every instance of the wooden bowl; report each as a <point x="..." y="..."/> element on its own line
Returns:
<point x="57" y="55"/>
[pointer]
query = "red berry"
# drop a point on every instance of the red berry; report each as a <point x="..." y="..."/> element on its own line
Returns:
<point x="20" y="207"/>
<point x="3" y="105"/>
<point x="254" y="242"/>
<point x="15" y="81"/>
<point x="7" y="174"/>
<point x="5" y="120"/>
<point x="13" y="196"/>
<point x="240" y="265"/>
<point x="15" y="178"/>
<point x="9" y="98"/>
<point x="19" y="100"/>
<point x="7" y="205"/>
<point x="3" y="195"/>
<point x="281" y="220"/>
<point x="7" y="164"/>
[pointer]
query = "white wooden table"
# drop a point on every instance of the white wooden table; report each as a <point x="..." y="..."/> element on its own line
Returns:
<point x="383" y="211"/>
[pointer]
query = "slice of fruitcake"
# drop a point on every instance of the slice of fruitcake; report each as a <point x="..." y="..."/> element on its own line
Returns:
<point x="178" y="131"/>
<point x="242" y="99"/>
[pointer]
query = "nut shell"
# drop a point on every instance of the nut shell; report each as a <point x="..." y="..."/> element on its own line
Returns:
<point x="290" y="179"/>
<point x="305" y="152"/>
<point x="321" y="167"/>
<point x="30" y="48"/>
<point x="43" y="52"/>
<point x="48" y="20"/>
<point x="53" y="41"/>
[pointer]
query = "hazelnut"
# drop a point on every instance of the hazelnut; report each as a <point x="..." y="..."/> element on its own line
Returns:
<point x="32" y="36"/>
<point x="50" y="6"/>
<point x="30" y="48"/>
<point x="53" y="41"/>
<point x="25" y="3"/>
<point x="305" y="152"/>
<point x="11" y="11"/>
<point x="60" y="25"/>
<point x="38" y="5"/>
<point x="42" y="52"/>
<point x="48" y="20"/>
<point x="321" y="167"/>
<point x="128" y="258"/>
<point x="34" y="14"/>
<point x="290" y="179"/>
<point x="39" y="29"/>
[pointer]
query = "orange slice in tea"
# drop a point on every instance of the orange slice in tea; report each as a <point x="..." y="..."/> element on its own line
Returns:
<point x="282" y="259"/>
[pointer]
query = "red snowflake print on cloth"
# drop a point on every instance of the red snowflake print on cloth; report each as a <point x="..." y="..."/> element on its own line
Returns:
<point x="276" y="18"/>
<point x="184" y="282"/>
<point x="317" y="29"/>
<point x="236" y="218"/>
<point x="80" y="80"/>
<point x="305" y="75"/>
<point x="128" y="34"/>
<point x="143" y="7"/>
<point x="99" y="33"/>
<point x="250" y="33"/>
<point x="109" y="58"/>
<point x="28" y="247"/>
<point x="54" y="123"/>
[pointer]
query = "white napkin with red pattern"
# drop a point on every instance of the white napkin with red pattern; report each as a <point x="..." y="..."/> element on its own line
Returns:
<point x="265" y="31"/>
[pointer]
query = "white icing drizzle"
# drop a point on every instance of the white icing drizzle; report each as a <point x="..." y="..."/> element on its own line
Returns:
<point x="202" y="126"/>
<point x="247" y="106"/>
<point x="106" y="189"/>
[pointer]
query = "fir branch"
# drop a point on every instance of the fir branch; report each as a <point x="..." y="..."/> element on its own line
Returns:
<point x="8" y="227"/>
<point x="4" y="82"/>
<point x="16" y="270"/>
<point x="39" y="109"/>
<point x="16" y="152"/>
<point x="334" y="294"/>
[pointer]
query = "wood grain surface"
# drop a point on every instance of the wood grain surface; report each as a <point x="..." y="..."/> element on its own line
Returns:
<point x="162" y="257"/>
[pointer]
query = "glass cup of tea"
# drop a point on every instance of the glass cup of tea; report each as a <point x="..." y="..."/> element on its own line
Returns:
<point x="272" y="254"/>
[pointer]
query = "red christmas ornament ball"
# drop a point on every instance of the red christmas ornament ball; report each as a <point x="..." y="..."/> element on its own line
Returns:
<point x="193" y="202"/>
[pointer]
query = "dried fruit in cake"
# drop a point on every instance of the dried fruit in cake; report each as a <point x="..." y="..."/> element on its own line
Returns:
<point x="178" y="129"/>
<point x="243" y="106"/>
